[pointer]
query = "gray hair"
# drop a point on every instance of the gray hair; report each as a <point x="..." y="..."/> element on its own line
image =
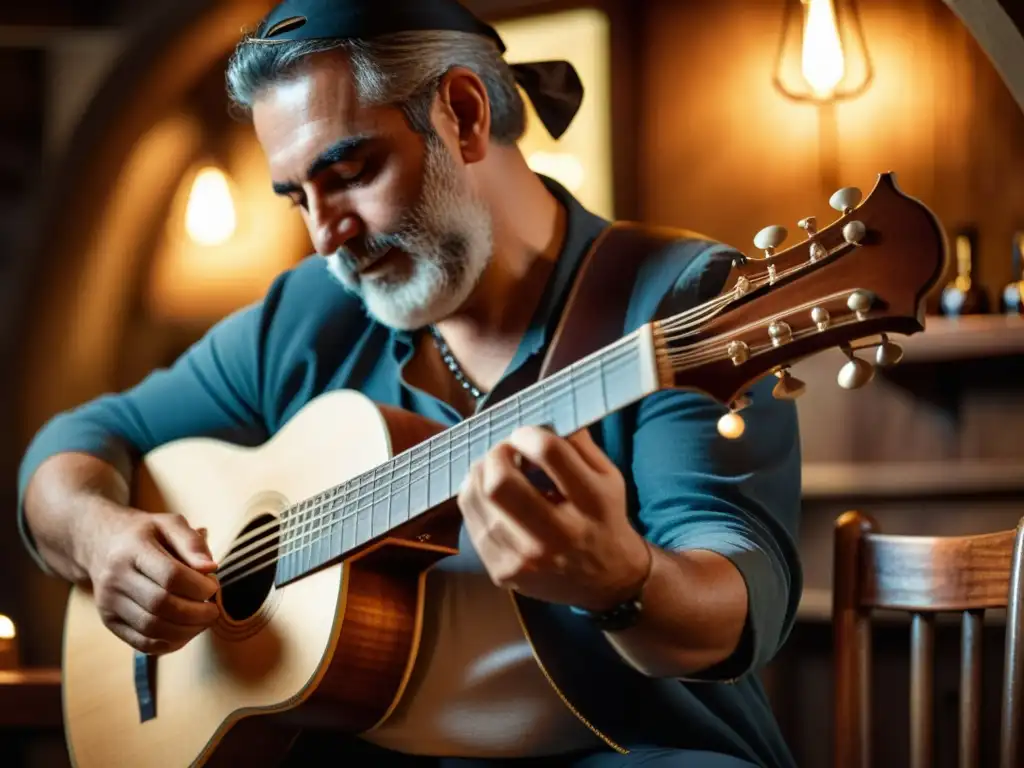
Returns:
<point x="401" y="70"/>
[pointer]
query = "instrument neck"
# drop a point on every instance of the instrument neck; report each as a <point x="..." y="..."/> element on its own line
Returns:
<point x="340" y="520"/>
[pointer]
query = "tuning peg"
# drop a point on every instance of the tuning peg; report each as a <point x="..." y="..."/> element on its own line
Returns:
<point x="854" y="232"/>
<point x="789" y="387"/>
<point x="809" y="225"/>
<point x="860" y="303"/>
<point x="845" y="200"/>
<point x="731" y="426"/>
<point x="855" y="373"/>
<point x="770" y="238"/>
<point x="888" y="353"/>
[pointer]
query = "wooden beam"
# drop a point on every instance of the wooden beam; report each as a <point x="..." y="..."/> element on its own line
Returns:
<point x="998" y="26"/>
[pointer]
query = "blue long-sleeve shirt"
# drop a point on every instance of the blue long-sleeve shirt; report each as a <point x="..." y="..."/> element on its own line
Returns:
<point x="689" y="488"/>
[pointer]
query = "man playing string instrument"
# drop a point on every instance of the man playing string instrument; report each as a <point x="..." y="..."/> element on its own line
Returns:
<point x="665" y="563"/>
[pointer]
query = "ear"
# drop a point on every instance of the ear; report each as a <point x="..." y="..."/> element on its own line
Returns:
<point x="465" y="108"/>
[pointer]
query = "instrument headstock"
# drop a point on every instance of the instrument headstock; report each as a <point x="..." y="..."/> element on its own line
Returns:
<point x="864" y="275"/>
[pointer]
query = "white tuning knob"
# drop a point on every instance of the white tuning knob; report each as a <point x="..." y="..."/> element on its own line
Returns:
<point x="770" y="238"/>
<point x="855" y="373"/>
<point x="845" y="200"/>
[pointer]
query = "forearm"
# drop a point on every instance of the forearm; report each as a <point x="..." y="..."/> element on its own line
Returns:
<point x="694" y="611"/>
<point x="60" y="500"/>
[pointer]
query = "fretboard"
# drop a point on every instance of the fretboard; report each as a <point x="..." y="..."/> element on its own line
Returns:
<point x="326" y="527"/>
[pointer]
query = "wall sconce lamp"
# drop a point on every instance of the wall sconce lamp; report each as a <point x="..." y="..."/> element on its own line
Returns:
<point x="9" y="656"/>
<point x="822" y="56"/>
<point x="210" y="217"/>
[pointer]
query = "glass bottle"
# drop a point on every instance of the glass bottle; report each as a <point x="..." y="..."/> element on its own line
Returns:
<point x="963" y="295"/>
<point x="1012" y="300"/>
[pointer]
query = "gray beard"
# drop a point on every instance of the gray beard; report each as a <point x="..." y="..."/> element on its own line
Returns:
<point x="448" y="237"/>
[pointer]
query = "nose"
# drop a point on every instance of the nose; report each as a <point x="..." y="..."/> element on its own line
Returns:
<point x="330" y="227"/>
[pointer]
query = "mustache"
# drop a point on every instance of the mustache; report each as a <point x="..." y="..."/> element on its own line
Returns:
<point x="369" y="250"/>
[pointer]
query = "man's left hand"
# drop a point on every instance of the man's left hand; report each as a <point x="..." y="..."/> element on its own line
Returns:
<point x="579" y="549"/>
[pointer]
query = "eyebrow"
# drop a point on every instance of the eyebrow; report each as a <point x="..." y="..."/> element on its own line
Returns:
<point x="338" y="152"/>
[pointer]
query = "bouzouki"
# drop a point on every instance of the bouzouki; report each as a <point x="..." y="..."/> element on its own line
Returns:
<point x="323" y="542"/>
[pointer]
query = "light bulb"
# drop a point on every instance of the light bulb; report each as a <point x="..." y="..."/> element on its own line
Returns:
<point x="210" y="212"/>
<point x="822" y="62"/>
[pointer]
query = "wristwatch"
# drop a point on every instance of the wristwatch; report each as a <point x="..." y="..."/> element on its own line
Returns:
<point x="615" y="619"/>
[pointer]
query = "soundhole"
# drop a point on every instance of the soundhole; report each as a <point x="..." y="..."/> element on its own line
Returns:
<point x="249" y="568"/>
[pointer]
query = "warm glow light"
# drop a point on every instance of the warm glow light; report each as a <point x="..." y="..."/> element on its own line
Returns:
<point x="210" y="212"/>
<point x="822" y="63"/>
<point x="7" y="630"/>
<point x="581" y="159"/>
<point x="560" y="166"/>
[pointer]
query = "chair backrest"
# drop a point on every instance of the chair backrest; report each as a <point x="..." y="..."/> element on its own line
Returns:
<point x="924" y="576"/>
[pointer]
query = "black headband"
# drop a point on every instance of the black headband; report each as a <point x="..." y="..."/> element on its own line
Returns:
<point x="554" y="87"/>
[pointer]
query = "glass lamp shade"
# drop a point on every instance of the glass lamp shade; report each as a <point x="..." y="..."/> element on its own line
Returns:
<point x="822" y="55"/>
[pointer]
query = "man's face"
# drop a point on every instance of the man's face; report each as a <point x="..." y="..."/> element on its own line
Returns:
<point x="390" y="209"/>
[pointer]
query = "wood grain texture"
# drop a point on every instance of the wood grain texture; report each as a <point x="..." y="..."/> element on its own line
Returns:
<point x="923" y="576"/>
<point x="923" y="573"/>
<point x="333" y="648"/>
<point x="899" y="260"/>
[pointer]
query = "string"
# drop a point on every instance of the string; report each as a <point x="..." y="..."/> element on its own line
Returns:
<point x="615" y="354"/>
<point x="681" y="359"/>
<point x="702" y="312"/>
<point x="305" y="528"/>
<point x="527" y="397"/>
<point x="312" y="527"/>
<point x="274" y="559"/>
<point x="461" y="440"/>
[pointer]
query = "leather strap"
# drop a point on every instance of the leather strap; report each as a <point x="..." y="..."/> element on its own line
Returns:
<point x="595" y="310"/>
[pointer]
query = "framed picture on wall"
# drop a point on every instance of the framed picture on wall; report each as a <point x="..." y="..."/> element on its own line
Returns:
<point x="582" y="159"/>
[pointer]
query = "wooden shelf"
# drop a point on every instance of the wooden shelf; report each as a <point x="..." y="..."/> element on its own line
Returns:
<point x="30" y="698"/>
<point x="912" y="479"/>
<point x="965" y="338"/>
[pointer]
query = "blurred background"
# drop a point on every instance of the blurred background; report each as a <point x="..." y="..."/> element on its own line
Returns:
<point x="135" y="212"/>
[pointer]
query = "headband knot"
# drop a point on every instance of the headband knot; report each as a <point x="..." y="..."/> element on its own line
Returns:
<point x="553" y="87"/>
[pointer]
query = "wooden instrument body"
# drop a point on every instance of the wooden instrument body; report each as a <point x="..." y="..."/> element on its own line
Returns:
<point x="333" y="649"/>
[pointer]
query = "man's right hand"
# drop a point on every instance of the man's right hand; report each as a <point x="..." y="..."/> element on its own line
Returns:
<point x="150" y="577"/>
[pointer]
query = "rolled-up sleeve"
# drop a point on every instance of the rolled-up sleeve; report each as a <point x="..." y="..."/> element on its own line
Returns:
<point x="697" y="490"/>
<point x="212" y="390"/>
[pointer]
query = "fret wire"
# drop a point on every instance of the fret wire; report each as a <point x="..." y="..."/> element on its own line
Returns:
<point x="313" y="511"/>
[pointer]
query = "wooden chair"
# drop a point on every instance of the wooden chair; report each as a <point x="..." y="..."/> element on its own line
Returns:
<point x="924" y="576"/>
